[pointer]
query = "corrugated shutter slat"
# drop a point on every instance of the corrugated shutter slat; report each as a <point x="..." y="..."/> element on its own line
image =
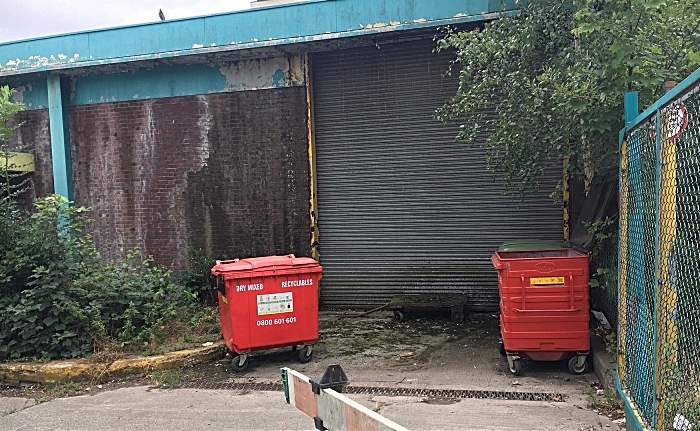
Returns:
<point x="403" y="208"/>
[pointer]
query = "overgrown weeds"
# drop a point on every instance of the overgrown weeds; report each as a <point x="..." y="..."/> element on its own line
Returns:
<point x="59" y="299"/>
<point x="604" y="402"/>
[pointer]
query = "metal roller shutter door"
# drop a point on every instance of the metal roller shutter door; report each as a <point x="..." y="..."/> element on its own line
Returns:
<point x="402" y="207"/>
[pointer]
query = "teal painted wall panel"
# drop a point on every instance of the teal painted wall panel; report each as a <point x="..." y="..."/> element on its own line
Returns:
<point x="34" y="95"/>
<point x="275" y="25"/>
<point x="147" y="84"/>
<point x="181" y="80"/>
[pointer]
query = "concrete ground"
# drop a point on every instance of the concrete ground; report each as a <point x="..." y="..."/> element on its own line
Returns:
<point x="425" y="352"/>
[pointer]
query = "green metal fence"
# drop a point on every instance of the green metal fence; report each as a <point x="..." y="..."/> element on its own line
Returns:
<point x="659" y="263"/>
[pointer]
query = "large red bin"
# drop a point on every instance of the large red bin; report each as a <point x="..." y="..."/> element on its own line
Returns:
<point x="544" y="306"/>
<point x="268" y="302"/>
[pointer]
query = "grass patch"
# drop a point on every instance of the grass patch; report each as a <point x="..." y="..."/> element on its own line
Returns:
<point x="58" y="390"/>
<point x="166" y="379"/>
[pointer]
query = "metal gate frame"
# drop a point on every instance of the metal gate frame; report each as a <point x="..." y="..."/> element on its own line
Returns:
<point x="659" y="387"/>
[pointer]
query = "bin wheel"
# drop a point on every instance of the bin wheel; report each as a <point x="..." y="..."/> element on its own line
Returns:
<point x="239" y="367"/>
<point x="501" y="348"/>
<point x="575" y="368"/>
<point x="398" y="315"/>
<point x="457" y="317"/>
<point x="305" y="354"/>
<point x="514" y="366"/>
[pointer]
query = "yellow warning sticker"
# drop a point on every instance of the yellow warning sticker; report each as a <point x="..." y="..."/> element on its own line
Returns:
<point x="224" y="300"/>
<point x="546" y="281"/>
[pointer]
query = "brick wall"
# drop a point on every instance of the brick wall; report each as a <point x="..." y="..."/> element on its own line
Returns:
<point x="34" y="136"/>
<point x="224" y="173"/>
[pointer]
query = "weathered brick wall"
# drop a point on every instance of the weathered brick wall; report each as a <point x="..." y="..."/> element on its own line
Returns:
<point x="224" y="173"/>
<point x="34" y="136"/>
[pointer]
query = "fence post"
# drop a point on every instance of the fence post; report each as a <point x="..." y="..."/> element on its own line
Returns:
<point x="631" y="106"/>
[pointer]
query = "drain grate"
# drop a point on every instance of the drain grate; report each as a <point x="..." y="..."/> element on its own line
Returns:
<point x="408" y="392"/>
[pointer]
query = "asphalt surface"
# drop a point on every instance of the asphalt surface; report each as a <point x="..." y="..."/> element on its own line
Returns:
<point x="440" y="355"/>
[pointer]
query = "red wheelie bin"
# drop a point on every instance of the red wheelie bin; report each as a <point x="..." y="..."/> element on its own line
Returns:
<point x="268" y="302"/>
<point x="544" y="301"/>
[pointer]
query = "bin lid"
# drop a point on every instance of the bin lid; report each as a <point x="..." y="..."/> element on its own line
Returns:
<point x="529" y="244"/>
<point x="260" y="264"/>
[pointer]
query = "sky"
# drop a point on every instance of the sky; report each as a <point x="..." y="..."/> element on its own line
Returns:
<point x="24" y="19"/>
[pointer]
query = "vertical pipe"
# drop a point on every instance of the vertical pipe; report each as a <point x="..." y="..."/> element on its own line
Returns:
<point x="60" y="138"/>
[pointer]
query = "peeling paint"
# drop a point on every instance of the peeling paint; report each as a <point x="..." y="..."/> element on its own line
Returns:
<point x="263" y="73"/>
<point x="197" y="46"/>
<point x="419" y="20"/>
<point x="378" y="24"/>
<point x="278" y="78"/>
<point x="395" y="23"/>
<point x="461" y="15"/>
<point x="29" y="96"/>
<point x="297" y="70"/>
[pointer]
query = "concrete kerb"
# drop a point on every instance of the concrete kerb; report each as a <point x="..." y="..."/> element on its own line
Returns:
<point x="14" y="374"/>
<point x="603" y="364"/>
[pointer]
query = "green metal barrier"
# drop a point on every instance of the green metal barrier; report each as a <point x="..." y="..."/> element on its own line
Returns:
<point x="659" y="263"/>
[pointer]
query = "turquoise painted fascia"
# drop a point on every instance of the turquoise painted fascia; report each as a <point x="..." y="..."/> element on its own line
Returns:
<point x="33" y="94"/>
<point x="169" y="81"/>
<point x="60" y="138"/>
<point x="261" y="27"/>
<point x="146" y="84"/>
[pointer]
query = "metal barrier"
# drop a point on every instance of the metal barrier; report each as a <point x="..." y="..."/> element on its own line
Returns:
<point x="659" y="263"/>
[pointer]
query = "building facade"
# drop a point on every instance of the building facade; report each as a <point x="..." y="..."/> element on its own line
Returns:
<point x="303" y="128"/>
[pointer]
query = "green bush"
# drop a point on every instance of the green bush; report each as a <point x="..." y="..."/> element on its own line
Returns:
<point x="58" y="299"/>
<point x="197" y="278"/>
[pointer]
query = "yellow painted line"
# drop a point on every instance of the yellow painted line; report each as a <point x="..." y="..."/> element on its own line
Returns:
<point x="76" y="370"/>
<point x="313" y="185"/>
<point x="546" y="281"/>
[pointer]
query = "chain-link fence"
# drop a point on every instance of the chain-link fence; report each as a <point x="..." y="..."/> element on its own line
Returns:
<point x="604" y="271"/>
<point x="659" y="264"/>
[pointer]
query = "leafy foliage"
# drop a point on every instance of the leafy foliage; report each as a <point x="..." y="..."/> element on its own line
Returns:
<point x="59" y="299"/>
<point x="547" y="84"/>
